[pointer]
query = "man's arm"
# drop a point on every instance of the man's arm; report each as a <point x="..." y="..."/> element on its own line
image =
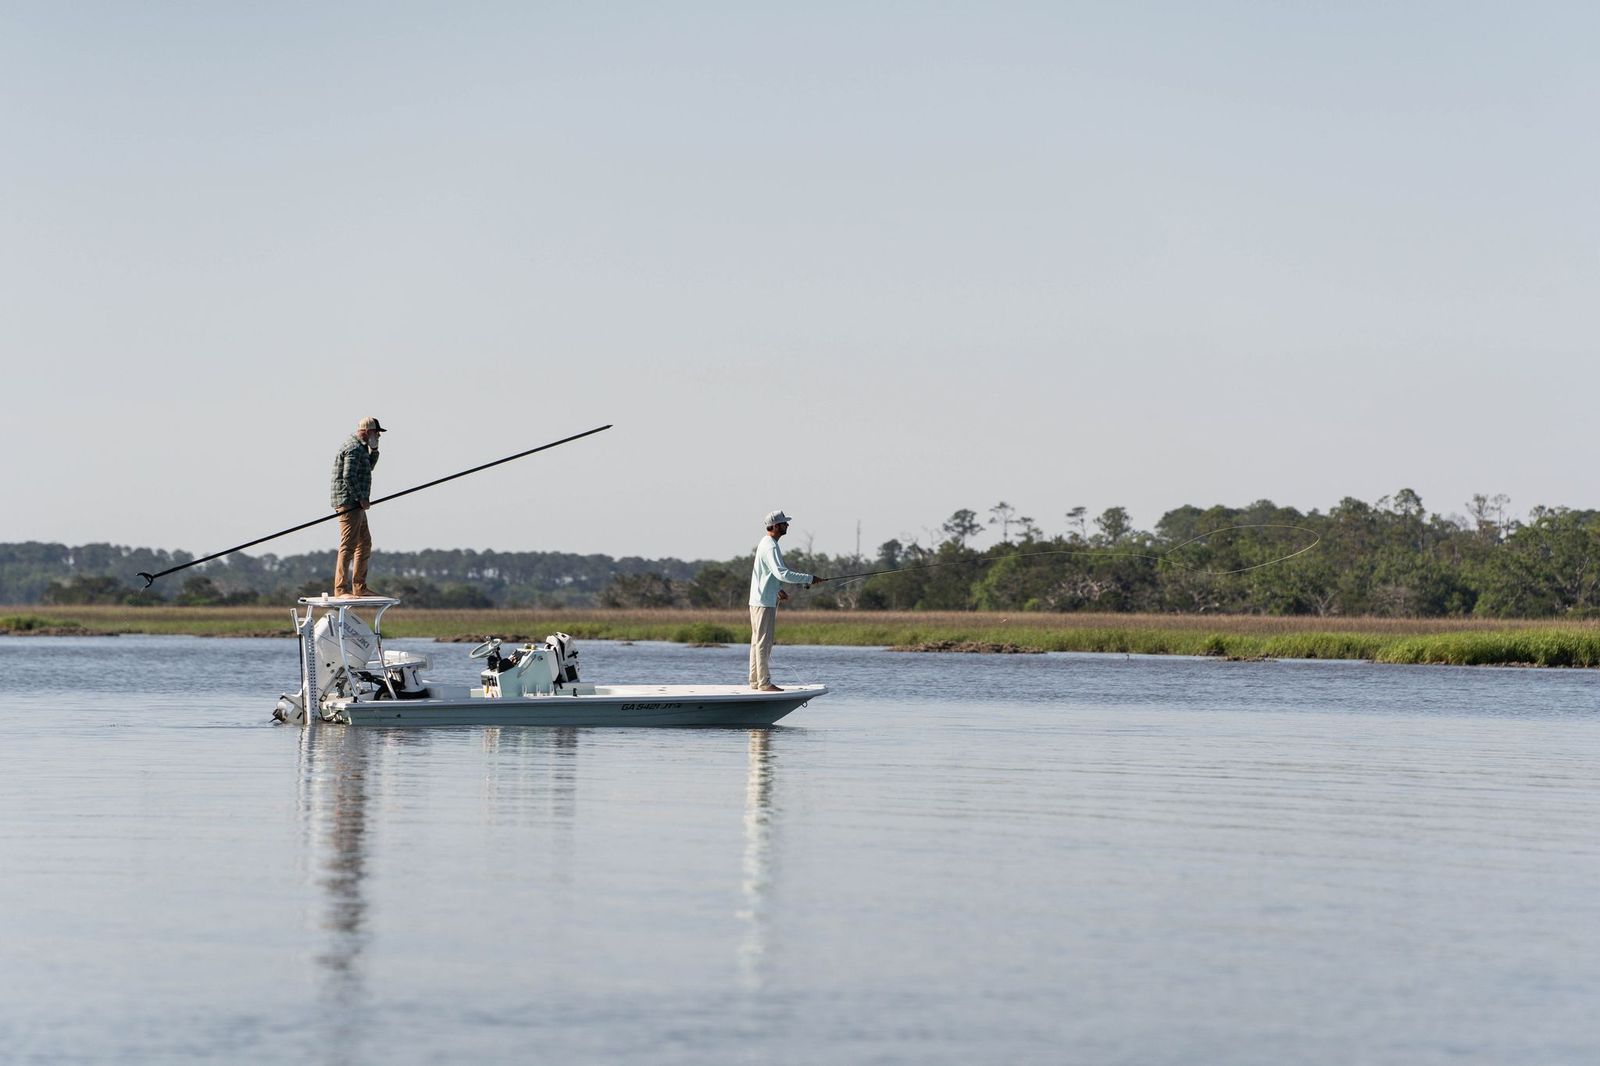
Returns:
<point x="354" y="457"/>
<point x="343" y="486"/>
<point x="784" y="574"/>
<point x="372" y="464"/>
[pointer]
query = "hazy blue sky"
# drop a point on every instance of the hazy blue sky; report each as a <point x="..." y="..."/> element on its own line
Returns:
<point x="864" y="262"/>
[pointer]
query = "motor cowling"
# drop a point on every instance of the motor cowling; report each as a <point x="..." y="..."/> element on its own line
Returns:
<point x="360" y="646"/>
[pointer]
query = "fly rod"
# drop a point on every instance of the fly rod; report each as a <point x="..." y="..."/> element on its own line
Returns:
<point x="149" y="579"/>
<point x="1316" y="539"/>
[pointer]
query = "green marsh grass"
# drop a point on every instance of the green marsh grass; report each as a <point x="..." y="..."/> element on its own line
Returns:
<point x="32" y="623"/>
<point x="1455" y="641"/>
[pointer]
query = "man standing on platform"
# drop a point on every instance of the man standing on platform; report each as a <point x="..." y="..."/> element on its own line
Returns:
<point x="352" y="495"/>
<point x="766" y="578"/>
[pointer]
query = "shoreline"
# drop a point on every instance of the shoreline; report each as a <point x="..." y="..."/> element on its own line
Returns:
<point x="1439" y="641"/>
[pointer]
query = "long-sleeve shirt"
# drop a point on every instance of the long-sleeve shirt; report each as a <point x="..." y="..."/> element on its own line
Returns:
<point x="352" y="474"/>
<point x="769" y="572"/>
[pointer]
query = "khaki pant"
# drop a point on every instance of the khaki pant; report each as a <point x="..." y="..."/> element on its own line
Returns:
<point x="763" y="625"/>
<point x="355" y="544"/>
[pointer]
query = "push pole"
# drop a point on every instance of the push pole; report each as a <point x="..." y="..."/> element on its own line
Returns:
<point x="150" y="579"/>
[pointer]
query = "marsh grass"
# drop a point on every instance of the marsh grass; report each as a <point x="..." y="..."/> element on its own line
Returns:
<point x="1466" y="642"/>
<point x="709" y="634"/>
<point x="32" y="623"/>
<point x="27" y="623"/>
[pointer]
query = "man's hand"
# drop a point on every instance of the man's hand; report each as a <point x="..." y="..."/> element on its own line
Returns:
<point x="782" y="595"/>
<point x="818" y="580"/>
<point x="365" y="504"/>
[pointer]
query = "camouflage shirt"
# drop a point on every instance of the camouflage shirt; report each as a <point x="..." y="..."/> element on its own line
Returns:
<point x="352" y="474"/>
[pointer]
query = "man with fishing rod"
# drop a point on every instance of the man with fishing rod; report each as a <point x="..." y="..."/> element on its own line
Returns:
<point x="767" y="578"/>
<point x="352" y="495"/>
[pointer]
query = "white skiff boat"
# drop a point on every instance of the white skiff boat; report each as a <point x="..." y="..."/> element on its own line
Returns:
<point x="347" y="677"/>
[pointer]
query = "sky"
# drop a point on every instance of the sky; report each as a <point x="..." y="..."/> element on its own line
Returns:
<point x="867" y="263"/>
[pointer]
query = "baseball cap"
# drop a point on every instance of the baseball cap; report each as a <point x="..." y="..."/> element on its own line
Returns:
<point x="776" y="518"/>
<point x="371" y="423"/>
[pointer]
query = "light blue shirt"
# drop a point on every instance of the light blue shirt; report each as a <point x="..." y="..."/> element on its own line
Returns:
<point x="769" y="572"/>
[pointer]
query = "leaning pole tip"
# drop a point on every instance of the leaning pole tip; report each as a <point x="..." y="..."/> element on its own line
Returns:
<point x="149" y="579"/>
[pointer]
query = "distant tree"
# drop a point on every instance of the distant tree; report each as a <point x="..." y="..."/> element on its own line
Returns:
<point x="724" y="585"/>
<point x="1488" y="514"/>
<point x="201" y="591"/>
<point x="1003" y="515"/>
<point x="198" y="592"/>
<point x="85" y="588"/>
<point x="948" y="585"/>
<point x="1075" y="523"/>
<point x="460" y="597"/>
<point x="1550" y="566"/>
<point x="1014" y="582"/>
<point x="1408" y="503"/>
<point x="1113" y="524"/>
<point x="639" y="590"/>
<point x="420" y="592"/>
<point x="889" y="554"/>
<point x="962" y="526"/>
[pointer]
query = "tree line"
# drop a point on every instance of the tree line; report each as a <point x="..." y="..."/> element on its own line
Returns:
<point x="36" y="572"/>
<point x="1390" y="558"/>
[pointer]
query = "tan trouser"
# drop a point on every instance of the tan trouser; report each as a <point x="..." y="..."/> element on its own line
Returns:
<point x="355" y="544"/>
<point x="763" y="624"/>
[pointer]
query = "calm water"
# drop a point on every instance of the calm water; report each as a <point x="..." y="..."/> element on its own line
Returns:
<point x="950" y="859"/>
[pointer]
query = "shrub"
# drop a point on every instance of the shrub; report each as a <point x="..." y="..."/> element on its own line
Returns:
<point x="704" y="633"/>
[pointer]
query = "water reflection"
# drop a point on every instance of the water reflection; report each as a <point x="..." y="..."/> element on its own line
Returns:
<point x="531" y="778"/>
<point x="333" y="806"/>
<point x="525" y="762"/>
<point x="756" y="884"/>
<point x="528" y="788"/>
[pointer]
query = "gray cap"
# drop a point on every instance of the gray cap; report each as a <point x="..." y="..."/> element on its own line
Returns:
<point x="775" y="518"/>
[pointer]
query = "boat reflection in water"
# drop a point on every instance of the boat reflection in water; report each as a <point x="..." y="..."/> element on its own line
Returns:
<point x="333" y="786"/>
<point x="756" y="884"/>
<point x="528" y="777"/>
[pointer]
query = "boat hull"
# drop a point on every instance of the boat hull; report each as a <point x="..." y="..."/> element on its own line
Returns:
<point x="652" y="706"/>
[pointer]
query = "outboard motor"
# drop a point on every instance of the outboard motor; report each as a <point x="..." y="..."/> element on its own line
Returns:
<point x="343" y="658"/>
<point x="400" y="673"/>
<point x="359" y="642"/>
